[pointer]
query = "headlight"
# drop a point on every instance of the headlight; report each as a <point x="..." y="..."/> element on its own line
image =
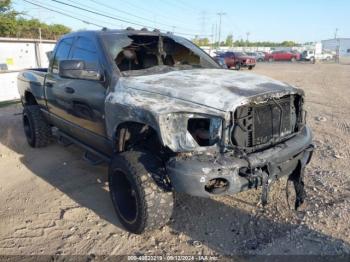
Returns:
<point x="187" y="132"/>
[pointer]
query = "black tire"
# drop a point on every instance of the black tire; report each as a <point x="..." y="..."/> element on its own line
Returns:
<point x="250" y="67"/>
<point x="36" y="128"/>
<point x="238" y="66"/>
<point x="140" y="203"/>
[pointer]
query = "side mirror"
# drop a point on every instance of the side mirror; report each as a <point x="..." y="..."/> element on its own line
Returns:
<point x="77" y="69"/>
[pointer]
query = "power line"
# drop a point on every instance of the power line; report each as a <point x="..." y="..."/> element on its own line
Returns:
<point x="113" y="17"/>
<point x="77" y="16"/>
<point x="62" y="13"/>
<point x="127" y="13"/>
<point x="148" y="11"/>
<point x="97" y="13"/>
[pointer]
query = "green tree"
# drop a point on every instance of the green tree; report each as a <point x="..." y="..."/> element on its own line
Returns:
<point x="12" y="24"/>
<point x="229" y="40"/>
<point x="201" y="41"/>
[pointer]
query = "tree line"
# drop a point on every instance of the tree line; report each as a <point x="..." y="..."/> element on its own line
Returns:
<point x="13" y="24"/>
<point x="242" y="43"/>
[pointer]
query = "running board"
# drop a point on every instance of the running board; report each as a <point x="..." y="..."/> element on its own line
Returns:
<point x="91" y="155"/>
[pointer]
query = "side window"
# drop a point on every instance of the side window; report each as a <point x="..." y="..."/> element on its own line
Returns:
<point x="62" y="53"/>
<point x="84" y="49"/>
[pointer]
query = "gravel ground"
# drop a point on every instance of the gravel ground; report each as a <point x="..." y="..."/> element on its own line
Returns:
<point x="53" y="202"/>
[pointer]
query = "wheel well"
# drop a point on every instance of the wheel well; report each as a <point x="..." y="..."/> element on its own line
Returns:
<point x="131" y="135"/>
<point x="29" y="99"/>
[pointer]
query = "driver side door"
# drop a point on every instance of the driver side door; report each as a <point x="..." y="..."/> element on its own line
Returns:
<point x="81" y="101"/>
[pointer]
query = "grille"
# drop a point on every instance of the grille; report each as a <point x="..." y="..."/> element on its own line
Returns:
<point x="265" y="123"/>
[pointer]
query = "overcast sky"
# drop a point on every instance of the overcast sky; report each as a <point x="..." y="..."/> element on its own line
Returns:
<point x="265" y="20"/>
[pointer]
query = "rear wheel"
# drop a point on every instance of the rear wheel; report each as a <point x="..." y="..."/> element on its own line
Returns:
<point x="36" y="128"/>
<point x="140" y="203"/>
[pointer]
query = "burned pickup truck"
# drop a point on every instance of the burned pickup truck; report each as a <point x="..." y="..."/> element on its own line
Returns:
<point x="167" y="119"/>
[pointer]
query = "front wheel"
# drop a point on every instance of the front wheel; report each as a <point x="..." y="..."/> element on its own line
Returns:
<point x="140" y="203"/>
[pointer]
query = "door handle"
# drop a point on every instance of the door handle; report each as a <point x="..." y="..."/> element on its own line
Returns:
<point x="49" y="84"/>
<point x="69" y="90"/>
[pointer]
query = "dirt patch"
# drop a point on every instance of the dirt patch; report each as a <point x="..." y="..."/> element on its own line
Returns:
<point x="53" y="202"/>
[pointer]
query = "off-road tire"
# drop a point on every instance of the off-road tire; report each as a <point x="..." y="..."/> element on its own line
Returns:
<point x="36" y="128"/>
<point x="131" y="180"/>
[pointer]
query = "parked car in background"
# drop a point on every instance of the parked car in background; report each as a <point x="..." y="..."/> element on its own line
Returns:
<point x="259" y="56"/>
<point x="281" y="56"/>
<point x="312" y="55"/>
<point x="237" y="60"/>
<point x="297" y="53"/>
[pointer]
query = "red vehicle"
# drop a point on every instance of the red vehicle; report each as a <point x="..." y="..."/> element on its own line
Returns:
<point x="237" y="60"/>
<point x="282" y="56"/>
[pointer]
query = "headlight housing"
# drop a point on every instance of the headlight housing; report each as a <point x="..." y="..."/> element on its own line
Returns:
<point x="187" y="132"/>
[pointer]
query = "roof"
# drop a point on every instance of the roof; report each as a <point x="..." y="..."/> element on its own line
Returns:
<point x="128" y="31"/>
<point x="339" y="38"/>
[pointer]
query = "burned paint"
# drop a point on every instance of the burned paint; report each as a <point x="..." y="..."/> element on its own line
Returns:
<point x="152" y="99"/>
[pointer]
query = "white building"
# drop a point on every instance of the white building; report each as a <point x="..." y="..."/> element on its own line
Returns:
<point x="16" y="55"/>
<point x="340" y="46"/>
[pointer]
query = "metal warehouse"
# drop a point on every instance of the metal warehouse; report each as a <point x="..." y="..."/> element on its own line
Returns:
<point x="341" y="46"/>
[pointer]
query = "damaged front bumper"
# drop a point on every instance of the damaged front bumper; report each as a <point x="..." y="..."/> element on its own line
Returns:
<point x="206" y="176"/>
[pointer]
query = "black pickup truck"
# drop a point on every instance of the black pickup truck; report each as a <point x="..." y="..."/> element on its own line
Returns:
<point x="166" y="118"/>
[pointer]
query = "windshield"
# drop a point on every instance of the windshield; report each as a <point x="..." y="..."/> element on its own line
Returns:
<point x="153" y="54"/>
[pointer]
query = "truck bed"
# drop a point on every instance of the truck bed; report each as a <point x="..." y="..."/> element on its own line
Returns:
<point x="32" y="80"/>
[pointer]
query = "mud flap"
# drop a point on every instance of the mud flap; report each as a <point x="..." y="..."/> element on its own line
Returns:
<point x="267" y="179"/>
<point x="265" y="188"/>
<point x="297" y="177"/>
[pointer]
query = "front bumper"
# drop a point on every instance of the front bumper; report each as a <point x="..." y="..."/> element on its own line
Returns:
<point x="192" y="175"/>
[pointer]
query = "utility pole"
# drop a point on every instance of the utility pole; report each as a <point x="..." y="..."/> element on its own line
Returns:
<point x="247" y="40"/>
<point x="212" y="36"/>
<point x="202" y="20"/>
<point x="220" y="14"/>
<point x="248" y="34"/>
<point x="337" y="51"/>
